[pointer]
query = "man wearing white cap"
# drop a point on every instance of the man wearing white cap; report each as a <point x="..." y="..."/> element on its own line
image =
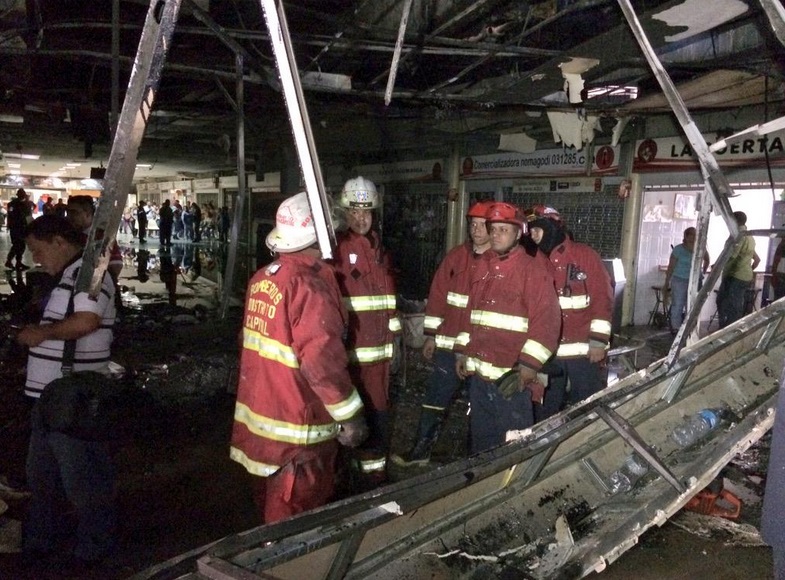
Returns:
<point x="295" y="400"/>
<point x="365" y="278"/>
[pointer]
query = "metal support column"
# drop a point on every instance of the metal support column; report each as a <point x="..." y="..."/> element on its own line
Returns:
<point x="142" y="86"/>
<point x="301" y="126"/>
<point x="242" y="190"/>
<point x="456" y="209"/>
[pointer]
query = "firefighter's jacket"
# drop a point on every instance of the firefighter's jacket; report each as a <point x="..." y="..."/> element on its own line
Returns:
<point x="513" y="315"/>
<point x="294" y="388"/>
<point x="366" y="282"/>
<point x="449" y="295"/>
<point x="585" y="297"/>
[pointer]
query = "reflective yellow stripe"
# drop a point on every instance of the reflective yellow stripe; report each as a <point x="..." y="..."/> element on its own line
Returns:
<point x="537" y="351"/>
<point x="372" y="465"/>
<point x="432" y="322"/>
<point x="395" y="324"/>
<point x="369" y="303"/>
<point x="371" y="353"/>
<point x="346" y="408"/>
<point x="462" y="339"/>
<point x="599" y="326"/>
<point x="500" y="321"/>
<point x="283" y="431"/>
<point x="269" y="348"/>
<point x="253" y="467"/>
<point x="445" y="342"/>
<point x="574" y="302"/>
<point x="485" y="369"/>
<point x="573" y="349"/>
<point x="457" y="300"/>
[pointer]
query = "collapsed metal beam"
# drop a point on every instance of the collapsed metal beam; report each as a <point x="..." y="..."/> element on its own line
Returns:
<point x="407" y="6"/>
<point x="301" y="126"/>
<point x="242" y="191"/>
<point x="628" y="433"/>
<point x="716" y="184"/>
<point x="719" y="186"/>
<point x="776" y="15"/>
<point x="142" y="86"/>
<point x="401" y="528"/>
<point x="688" y="330"/>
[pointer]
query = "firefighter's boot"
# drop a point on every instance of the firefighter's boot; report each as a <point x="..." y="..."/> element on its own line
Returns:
<point x="427" y="433"/>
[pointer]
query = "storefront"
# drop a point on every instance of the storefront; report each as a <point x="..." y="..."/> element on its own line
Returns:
<point x="671" y="185"/>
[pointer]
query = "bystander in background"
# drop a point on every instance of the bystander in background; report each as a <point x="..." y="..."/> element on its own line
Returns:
<point x="677" y="276"/>
<point x="737" y="276"/>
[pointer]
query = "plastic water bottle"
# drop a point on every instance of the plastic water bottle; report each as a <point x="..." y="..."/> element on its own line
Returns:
<point x="625" y="478"/>
<point x="696" y="427"/>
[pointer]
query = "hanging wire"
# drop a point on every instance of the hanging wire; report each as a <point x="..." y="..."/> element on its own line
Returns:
<point x="766" y="137"/>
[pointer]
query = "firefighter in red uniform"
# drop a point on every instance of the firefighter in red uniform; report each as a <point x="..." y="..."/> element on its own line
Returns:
<point x="586" y="300"/>
<point x="512" y="324"/>
<point x="295" y="399"/>
<point x="447" y="301"/>
<point x="364" y="276"/>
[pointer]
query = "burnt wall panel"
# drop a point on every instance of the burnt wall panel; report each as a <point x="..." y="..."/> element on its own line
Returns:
<point x="415" y="221"/>
<point x="594" y="218"/>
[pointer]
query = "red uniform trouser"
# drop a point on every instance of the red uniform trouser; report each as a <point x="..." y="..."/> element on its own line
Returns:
<point x="373" y="383"/>
<point x="306" y="482"/>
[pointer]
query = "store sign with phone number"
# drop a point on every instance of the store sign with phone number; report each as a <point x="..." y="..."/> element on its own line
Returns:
<point x="604" y="160"/>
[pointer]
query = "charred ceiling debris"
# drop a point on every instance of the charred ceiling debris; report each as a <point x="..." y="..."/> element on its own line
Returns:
<point x="467" y="73"/>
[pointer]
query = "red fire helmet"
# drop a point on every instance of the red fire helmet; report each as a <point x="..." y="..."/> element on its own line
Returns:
<point x="507" y="213"/>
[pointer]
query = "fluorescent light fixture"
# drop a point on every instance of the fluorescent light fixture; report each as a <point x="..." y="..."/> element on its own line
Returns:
<point x="73" y="164"/>
<point x="31" y="156"/>
<point x="332" y="81"/>
<point x="144" y="166"/>
<point x="91" y="184"/>
<point x="755" y="131"/>
<point x="15" y="165"/>
<point x="17" y="119"/>
<point x="618" y="91"/>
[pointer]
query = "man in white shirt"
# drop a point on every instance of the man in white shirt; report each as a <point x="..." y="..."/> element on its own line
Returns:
<point x="56" y="462"/>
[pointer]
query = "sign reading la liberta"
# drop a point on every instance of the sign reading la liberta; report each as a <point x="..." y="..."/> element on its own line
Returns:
<point x="675" y="153"/>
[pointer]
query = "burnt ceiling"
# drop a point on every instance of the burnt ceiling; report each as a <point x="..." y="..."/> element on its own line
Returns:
<point x="469" y="71"/>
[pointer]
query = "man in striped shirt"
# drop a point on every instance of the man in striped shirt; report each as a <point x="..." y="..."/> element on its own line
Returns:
<point x="57" y="462"/>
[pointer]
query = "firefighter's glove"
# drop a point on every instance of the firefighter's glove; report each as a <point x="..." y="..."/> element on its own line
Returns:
<point x="537" y="390"/>
<point x="509" y="383"/>
<point x="352" y="433"/>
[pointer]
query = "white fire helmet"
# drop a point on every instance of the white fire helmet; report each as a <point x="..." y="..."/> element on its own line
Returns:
<point x="294" y="229"/>
<point x="359" y="193"/>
